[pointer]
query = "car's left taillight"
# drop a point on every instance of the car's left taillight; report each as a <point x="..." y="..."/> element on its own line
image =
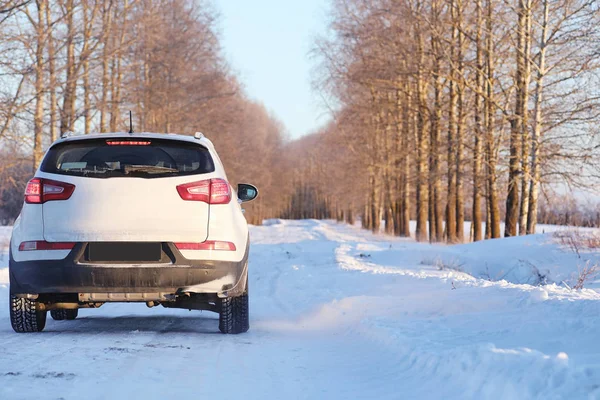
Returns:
<point x="40" y="190"/>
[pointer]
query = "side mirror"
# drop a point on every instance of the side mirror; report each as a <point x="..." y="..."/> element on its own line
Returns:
<point x="246" y="192"/>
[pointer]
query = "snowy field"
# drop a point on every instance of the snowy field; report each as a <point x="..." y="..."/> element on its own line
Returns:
<point x="338" y="313"/>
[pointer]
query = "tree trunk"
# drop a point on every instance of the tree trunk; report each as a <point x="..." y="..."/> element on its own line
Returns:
<point x="488" y="213"/>
<point x="403" y="129"/>
<point x="422" y="167"/>
<point x="476" y="219"/>
<point x="51" y="78"/>
<point x="406" y="197"/>
<point x="460" y="128"/>
<point x="407" y="133"/>
<point x="437" y="219"/>
<point x="526" y="138"/>
<point x="106" y="56"/>
<point x="451" y="199"/>
<point x="516" y="129"/>
<point x="38" y="117"/>
<point x="87" y="27"/>
<point x="68" y="109"/>
<point x="491" y="155"/>
<point x="375" y="163"/>
<point x="116" y="72"/>
<point x="537" y="125"/>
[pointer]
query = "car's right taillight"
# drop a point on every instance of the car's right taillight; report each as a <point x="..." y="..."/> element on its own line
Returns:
<point x="39" y="191"/>
<point x="211" y="191"/>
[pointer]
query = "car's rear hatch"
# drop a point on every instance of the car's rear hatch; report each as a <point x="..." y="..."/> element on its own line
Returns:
<point x="126" y="191"/>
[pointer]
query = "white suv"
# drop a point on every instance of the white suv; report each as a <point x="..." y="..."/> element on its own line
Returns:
<point x="130" y="218"/>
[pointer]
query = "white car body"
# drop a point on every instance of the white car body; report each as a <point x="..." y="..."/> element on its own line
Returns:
<point x="149" y="208"/>
<point x="107" y="210"/>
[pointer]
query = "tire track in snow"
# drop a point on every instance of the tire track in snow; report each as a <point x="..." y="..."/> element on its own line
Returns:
<point x="274" y="283"/>
<point x="350" y="263"/>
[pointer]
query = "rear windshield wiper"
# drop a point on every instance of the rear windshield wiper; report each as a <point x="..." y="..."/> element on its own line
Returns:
<point x="149" y="169"/>
<point x="86" y="172"/>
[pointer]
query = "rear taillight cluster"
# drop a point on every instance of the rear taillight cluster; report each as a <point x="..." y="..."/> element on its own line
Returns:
<point x="211" y="191"/>
<point x="41" y="190"/>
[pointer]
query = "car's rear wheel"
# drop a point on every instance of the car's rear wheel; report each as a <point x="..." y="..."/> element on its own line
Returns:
<point x="25" y="315"/>
<point x="234" y="316"/>
<point x="60" y="315"/>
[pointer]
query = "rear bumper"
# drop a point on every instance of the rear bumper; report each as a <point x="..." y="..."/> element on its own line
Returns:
<point x="176" y="275"/>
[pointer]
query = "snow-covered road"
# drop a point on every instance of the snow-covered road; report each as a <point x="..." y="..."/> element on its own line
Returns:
<point x="336" y="312"/>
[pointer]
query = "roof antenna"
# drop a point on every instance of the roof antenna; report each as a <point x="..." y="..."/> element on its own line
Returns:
<point x="130" y="122"/>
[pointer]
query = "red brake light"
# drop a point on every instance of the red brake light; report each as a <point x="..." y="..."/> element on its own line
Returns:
<point x="41" y="190"/>
<point x="211" y="191"/>
<point x="128" y="142"/>
<point x="208" y="245"/>
<point x="33" y="192"/>
<point x="43" y="245"/>
<point x="220" y="191"/>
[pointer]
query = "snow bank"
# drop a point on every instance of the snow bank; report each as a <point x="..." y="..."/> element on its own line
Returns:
<point x="534" y="259"/>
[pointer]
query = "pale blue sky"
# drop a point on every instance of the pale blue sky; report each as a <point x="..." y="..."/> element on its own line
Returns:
<point x="267" y="43"/>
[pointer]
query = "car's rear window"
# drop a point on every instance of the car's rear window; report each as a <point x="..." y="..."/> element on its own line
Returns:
<point x="128" y="157"/>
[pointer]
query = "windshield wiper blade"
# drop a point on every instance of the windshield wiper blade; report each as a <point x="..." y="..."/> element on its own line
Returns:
<point x="96" y="171"/>
<point x="149" y="169"/>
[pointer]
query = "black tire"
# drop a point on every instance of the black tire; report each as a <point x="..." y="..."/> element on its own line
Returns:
<point x="60" y="315"/>
<point x="234" y="316"/>
<point x="25" y="316"/>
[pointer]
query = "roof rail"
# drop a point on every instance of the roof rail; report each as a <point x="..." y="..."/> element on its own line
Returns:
<point x="199" y="135"/>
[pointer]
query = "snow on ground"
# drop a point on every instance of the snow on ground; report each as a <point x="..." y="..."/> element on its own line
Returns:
<point x="337" y="313"/>
<point x="4" y="240"/>
<point x="532" y="259"/>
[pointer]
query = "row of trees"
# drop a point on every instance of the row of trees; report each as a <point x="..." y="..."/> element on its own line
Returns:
<point x="566" y="210"/>
<point x="82" y="65"/>
<point x="447" y="110"/>
<point x="443" y="110"/>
